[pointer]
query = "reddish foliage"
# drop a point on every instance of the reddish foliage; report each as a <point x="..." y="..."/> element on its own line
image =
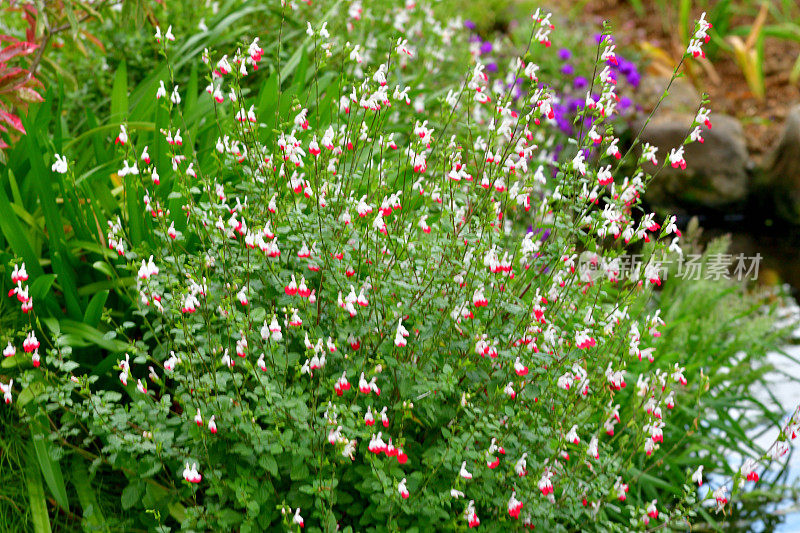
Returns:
<point x="17" y="84"/>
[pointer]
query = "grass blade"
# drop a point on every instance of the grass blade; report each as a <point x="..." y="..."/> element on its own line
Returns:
<point x="92" y="514"/>
<point x="39" y="516"/>
<point x="58" y="250"/>
<point x="119" y="94"/>
<point x="95" y="308"/>
<point x="49" y="468"/>
<point x="14" y="234"/>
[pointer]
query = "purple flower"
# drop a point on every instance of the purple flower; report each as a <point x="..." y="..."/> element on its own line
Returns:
<point x="564" y="54"/>
<point x="624" y="103"/>
<point x="624" y="66"/>
<point x="567" y="69"/>
<point x="491" y="67"/>
<point x="486" y="48"/>
<point x="634" y="78"/>
<point x="469" y="24"/>
<point x="544" y="231"/>
<point x="580" y="82"/>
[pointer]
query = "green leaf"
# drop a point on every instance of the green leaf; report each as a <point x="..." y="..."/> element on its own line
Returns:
<point x="38" y="504"/>
<point x="95" y="308"/>
<point x="41" y="285"/>
<point x="50" y="468"/>
<point x="119" y="94"/>
<point x="16" y="236"/>
<point x="92" y="514"/>
<point x="80" y="334"/>
<point x="131" y="494"/>
<point x="73" y="21"/>
<point x="55" y="227"/>
<point x="135" y="210"/>
<point x="268" y="463"/>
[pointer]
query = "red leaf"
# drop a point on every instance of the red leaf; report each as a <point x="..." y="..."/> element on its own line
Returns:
<point x="14" y="78"/>
<point x="12" y="120"/>
<point x="8" y="38"/>
<point x="17" y="50"/>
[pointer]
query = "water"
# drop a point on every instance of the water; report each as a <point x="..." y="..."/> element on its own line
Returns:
<point x="787" y="393"/>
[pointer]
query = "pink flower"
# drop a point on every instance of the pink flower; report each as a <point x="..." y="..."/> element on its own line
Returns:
<point x="400" y="334"/>
<point x="464" y="473"/>
<point x="519" y="368"/>
<point x="749" y="470"/>
<point x="514" y="506"/>
<point x="30" y="343"/>
<point x="376" y="444"/>
<point x="676" y="159"/>
<point x="9" y="350"/>
<point x="122" y="137"/>
<point x="297" y="519"/>
<point x="291" y="288"/>
<point x="572" y="435"/>
<point x="342" y="384"/>
<point x="19" y="274"/>
<point x="521" y="466"/>
<point x="401" y="488"/>
<point x="191" y="474"/>
<point x="402" y="458"/>
<point x="470" y="515"/>
<point x="6" y="390"/>
<point x="545" y="486"/>
<point x="652" y="511"/>
<point x="697" y="477"/>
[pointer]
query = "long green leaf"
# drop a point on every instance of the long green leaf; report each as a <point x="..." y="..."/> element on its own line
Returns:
<point x="38" y="504"/>
<point x="58" y="250"/>
<point x="92" y="514"/>
<point x="15" y="235"/>
<point x="51" y="470"/>
<point x="95" y="308"/>
<point x="119" y="94"/>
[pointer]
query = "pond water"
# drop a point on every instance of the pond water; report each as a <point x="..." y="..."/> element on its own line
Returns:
<point x="779" y="249"/>
<point x="787" y="393"/>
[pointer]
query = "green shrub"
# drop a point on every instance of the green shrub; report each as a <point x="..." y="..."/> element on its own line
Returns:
<point x="341" y="316"/>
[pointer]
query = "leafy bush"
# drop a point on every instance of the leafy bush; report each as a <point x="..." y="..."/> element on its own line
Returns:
<point x="342" y="318"/>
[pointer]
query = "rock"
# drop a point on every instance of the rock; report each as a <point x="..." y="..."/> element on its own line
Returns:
<point x="682" y="97"/>
<point x="717" y="171"/>
<point x="781" y="178"/>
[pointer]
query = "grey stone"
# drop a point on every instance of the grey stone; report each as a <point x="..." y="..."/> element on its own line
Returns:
<point x="682" y="97"/>
<point x="782" y="168"/>
<point x="717" y="170"/>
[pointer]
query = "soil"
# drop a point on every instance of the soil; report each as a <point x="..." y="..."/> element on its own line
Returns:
<point x="720" y="76"/>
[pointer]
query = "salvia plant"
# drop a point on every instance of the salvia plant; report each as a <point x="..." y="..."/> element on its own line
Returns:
<point x="344" y="320"/>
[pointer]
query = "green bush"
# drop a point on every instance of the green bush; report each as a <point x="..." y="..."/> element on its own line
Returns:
<point x="341" y="315"/>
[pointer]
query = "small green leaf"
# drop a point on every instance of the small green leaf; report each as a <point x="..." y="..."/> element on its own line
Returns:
<point x="131" y="494"/>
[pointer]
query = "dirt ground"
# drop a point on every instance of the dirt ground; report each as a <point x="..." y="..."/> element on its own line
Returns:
<point x="720" y="77"/>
